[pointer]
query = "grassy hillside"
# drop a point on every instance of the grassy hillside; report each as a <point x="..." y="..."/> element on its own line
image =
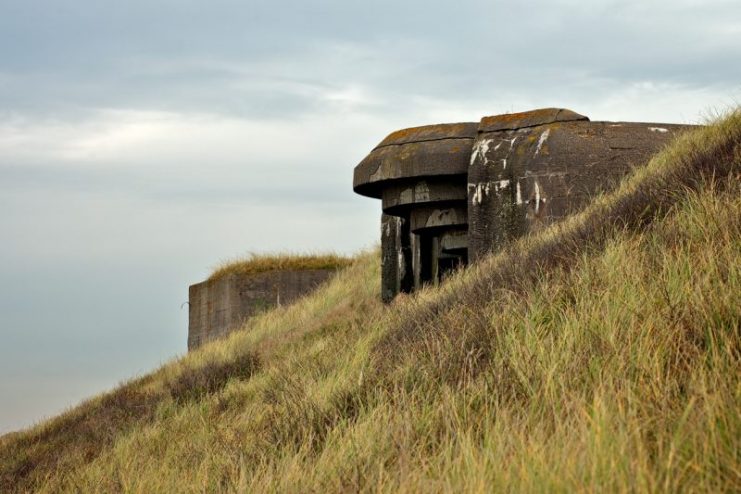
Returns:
<point x="602" y="354"/>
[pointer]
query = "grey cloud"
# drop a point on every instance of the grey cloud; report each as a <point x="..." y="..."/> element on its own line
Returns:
<point x="252" y="58"/>
<point x="293" y="188"/>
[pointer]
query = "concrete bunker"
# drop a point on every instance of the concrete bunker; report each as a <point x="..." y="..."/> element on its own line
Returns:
<point x="451" y="193"/>
<point x="219" y="306"/>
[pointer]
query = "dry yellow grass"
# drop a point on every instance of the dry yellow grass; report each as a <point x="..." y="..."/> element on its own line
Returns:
<point x="602" y="355"/>
<point x="259" y="263"/>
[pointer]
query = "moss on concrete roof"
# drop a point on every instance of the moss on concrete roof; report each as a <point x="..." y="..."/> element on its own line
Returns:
<point x="260" y="263"/>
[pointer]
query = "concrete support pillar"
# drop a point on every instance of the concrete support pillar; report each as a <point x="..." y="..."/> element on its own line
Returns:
<point x="396" y="257"/>
<point x="390" y="280"/>
<point x="406" y="274"/>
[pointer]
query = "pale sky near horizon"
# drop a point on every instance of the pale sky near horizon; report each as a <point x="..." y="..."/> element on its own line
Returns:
<point x="142" y="142"/>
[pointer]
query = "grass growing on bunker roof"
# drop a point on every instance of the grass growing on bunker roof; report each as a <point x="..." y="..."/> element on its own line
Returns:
<point x="254" y="263"/>
<point x="601" y="355"/>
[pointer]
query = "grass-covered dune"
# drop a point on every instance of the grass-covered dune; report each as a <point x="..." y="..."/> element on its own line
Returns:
<point x="600" y="355"/>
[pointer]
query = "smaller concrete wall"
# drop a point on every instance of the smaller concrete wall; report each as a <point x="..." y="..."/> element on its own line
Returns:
<point x="220" y="306"/>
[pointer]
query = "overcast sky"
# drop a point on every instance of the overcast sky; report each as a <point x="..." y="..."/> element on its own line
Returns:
<point x="141" y="142"/>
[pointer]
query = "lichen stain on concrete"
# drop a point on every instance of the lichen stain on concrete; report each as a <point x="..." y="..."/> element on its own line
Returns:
<point x="480" y="149"/>
<point x="439" y="217"/>
<point x="541" y="140"/>
<point x="378" y="174"/>
<point x="421" y="191"/>
<point x="518" y="199"/>
<point x="406" y="196"/>
<point x="476" y="195"/>
<point x="479" y="191"/>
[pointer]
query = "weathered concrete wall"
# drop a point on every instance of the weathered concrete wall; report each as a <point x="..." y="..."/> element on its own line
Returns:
<point x="454" y="192"/>
<point x="220" y="306"/>
<point x="531" y="169"/>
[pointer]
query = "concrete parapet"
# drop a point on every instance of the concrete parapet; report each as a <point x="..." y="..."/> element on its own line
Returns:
<point x="531" y="169"/>
<point x="218" y="307"/>
<point x="421" y="152"/>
